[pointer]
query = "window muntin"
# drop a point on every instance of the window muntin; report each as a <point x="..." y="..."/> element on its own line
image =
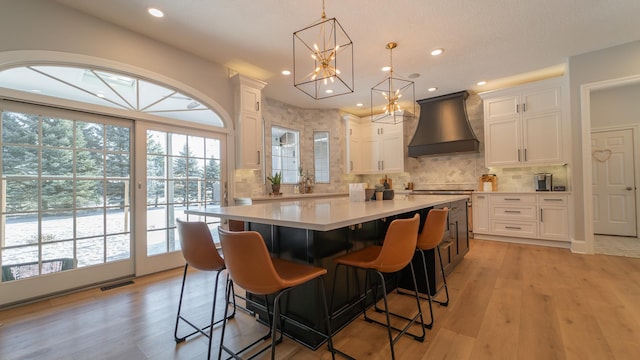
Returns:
<point x="285" y="153"/>
<point x="321" y="156"/>
<point x="183" y="171"/>
<point x="67" y="193"/>
<point x="110" y="89"/>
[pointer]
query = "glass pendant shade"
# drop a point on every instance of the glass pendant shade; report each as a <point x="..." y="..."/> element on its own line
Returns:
<point x="393" y="98"/>
<point x="323" y="59"/>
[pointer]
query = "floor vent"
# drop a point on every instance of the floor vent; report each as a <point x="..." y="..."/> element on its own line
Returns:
<point x="105" y="288"/>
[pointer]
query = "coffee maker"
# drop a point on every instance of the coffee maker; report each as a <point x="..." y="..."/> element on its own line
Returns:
<point x="543" y="181"/>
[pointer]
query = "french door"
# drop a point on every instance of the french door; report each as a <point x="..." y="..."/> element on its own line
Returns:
<point x="64" y="200"/>
<point x="177" y="169"/>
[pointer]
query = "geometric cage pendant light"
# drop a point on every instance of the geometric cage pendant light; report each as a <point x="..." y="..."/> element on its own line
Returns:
<point x="392" y="99"/>
<point x="323" y="59"/>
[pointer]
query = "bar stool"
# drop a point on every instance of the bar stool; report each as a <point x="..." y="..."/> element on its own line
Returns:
<point x="251" y="267"/>
<point x="395" y="254"/>
<point x="429" y="239"/>
<point x="200" y="252"/>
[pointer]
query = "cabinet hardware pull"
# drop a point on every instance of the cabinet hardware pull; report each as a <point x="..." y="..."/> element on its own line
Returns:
<point x="480" y="196"/>
<point x="518" y="154"/>
<point x="512" y="199"/>
<point x="552" y="199"/>
<point x="513" y="227"/>
<point x="258" y="157"/>
<point x="512" y="211"/>
<point x="381" y="131"/>
<point x="541" y="215"/>
<point x="517" y="108"/>
<point x="351" y="165"/>
<point x="257" y="105"/>
<point x="524" y="107"/>
<point x="525" y="154"/>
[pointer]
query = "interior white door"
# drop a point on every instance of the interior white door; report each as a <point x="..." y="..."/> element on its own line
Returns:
<point x="614" y="208"/>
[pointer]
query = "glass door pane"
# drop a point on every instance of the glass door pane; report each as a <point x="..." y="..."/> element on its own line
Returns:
<point x="64" y="198"/>
<point x="183" y="170"/>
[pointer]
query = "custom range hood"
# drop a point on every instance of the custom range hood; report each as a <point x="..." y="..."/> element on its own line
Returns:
<point x="443" y="127"/>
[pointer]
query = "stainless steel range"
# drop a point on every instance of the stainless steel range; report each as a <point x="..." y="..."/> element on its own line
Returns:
<point x="452" y="192"/>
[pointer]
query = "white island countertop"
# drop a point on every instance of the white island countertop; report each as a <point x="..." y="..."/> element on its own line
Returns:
<point x="325" y="214"/>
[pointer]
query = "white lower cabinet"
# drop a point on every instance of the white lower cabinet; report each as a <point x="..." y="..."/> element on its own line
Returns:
<point x="524" y="215"/>
<point x="554" y="217"/>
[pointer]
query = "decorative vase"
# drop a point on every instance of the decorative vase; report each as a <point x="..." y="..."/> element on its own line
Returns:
<point x="275" y="189"/>
<point x="379" y="195"/>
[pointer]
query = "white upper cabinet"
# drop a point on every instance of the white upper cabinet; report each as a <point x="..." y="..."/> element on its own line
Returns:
<point x="382" y="147"/>
<point x="249" y="127"/>
<point x="524" y="125"/>
<point x="354" y="146"/>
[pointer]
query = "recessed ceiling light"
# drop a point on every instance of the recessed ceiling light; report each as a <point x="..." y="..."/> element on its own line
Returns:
<point x="100" y="95"/>
<point x="329" y="91"/>
<point x="36" y="90"/>
<point x="155" y="12"/>
<point x="432" y="89"/>
<point x="286" y="72"/>
<point x="359" y="104"/>
<point x="386" y="68"/>
<point x="437" y="52"/>
<point x="482" y="83"/>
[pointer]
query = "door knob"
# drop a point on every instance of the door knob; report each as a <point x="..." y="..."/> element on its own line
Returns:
<point x="629" y="188"/>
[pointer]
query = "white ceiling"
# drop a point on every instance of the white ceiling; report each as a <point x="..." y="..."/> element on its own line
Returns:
<point x="483" y="40"/>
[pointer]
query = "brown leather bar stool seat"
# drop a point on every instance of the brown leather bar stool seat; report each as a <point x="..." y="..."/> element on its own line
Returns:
<point x="394" y="255"/>
<point x="200" y="252"/>
<point x="252" y="268"/>
<point x="429" y="239"/>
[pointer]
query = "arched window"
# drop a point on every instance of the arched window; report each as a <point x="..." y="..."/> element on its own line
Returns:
<point x="109" y="89"/>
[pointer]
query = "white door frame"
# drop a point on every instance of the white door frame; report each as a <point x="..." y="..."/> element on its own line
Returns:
<point x="587" y="183"/>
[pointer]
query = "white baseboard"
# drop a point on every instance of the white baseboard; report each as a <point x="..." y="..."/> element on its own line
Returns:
<point x="527" y="241"/>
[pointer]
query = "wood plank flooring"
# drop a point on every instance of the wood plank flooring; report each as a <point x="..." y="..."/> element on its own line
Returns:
<point x="508" y="301"/>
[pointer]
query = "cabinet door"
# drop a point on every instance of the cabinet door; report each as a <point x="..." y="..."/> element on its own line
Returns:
<point x="542" y="137"/>
<point x="250" y="141"/>
<point x="554" y="223"/>
<point x="540" y="100"/>
<point x="502" y="142"/>
<point x="392" y="153"/>
<point x="480" y="213"/>
<point x="249" y="100"/>
<point x="354" y="148"/>
<point x="501" y="107"/>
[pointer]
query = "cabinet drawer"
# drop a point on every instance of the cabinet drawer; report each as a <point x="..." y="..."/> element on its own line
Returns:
<point x="561" y="200"/>
<point x="525" y="212"/>
<point x="514" y="199"/>
<point x="515" y="228"/>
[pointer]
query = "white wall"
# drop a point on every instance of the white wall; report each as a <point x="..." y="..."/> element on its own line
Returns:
<point x="612" y="63"/>
<point x="615" y="106"/>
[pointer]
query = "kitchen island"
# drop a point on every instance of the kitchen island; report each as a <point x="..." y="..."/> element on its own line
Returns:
<point x="314" y="231"/>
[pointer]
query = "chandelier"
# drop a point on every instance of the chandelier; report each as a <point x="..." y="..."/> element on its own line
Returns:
<point x="392" y="98"/>
<point x="323" y="59"/>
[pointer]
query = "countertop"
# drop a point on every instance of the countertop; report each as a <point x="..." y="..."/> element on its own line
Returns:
<point x="324" y="214"/>
<point x="249" y="200"/>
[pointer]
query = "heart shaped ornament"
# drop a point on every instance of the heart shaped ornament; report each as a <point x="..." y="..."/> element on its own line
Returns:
<point x="602" y="155"/>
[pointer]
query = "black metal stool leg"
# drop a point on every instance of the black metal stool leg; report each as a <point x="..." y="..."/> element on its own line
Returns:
<point x="444" y="280"/>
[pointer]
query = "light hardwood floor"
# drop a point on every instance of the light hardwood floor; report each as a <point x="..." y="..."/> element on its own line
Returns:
<point x="508" y="301"/>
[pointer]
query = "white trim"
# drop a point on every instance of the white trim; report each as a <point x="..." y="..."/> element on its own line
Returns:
<point x="527" y="241"/>
<point x="587" y="184"/>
